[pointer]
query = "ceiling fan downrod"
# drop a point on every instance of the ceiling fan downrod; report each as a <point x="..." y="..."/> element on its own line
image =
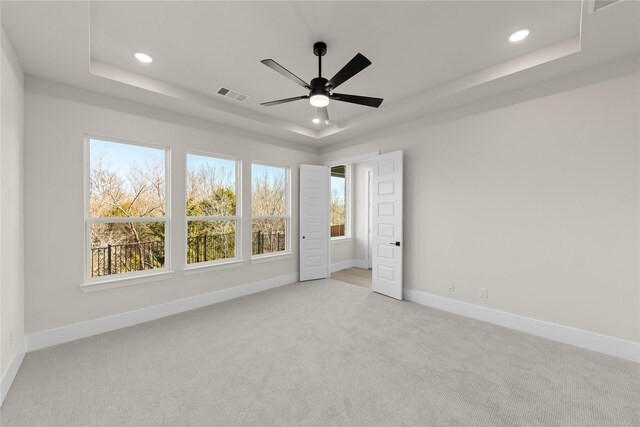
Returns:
<point x="319" y="50"/>
<point x="319" y="84"/>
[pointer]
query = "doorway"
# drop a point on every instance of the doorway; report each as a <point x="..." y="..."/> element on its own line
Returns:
<point x="351" y="222"/>
<point x="379" y="226"/>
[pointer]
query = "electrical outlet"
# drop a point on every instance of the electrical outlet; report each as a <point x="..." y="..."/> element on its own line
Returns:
<point x="484" y="293"/>
<point x="451" y="287"/>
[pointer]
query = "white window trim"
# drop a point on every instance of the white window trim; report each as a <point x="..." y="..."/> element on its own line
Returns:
<point x="207" y="266"/>
<point x="347" y="203"/>
<point x="272" y="256"/>
<point x="130" y="280"/>
<point x="133" y="277"/>
<point x="287" y="217"/>
<point x="221" y="263"/>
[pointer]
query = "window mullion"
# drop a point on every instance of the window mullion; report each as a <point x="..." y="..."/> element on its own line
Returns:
<point x="270" y="217"/>
<point x="212" y="218"/>
<point x="119" y="219"/>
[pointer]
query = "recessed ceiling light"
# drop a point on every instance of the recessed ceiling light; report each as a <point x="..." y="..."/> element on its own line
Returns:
<point x="143" y="57"/>
<point x="316" y="120"/>
<point x="519" y="35"/>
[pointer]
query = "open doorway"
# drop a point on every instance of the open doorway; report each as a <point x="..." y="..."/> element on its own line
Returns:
<point x="350" y="220"/>
<point x="371" y="219"/>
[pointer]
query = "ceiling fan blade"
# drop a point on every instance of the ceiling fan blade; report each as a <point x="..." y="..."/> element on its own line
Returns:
<point x="288" y="74"/>
<point x="282" y="101"/>
<point x="356" y="99"/>
<point x="323" y="114"/>
<point x="353" y="67"/>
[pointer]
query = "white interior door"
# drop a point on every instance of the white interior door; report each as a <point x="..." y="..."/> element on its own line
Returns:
<point x="369" y="220"/>
<point x="314" y="222"/>
<point x="387" y="224"/>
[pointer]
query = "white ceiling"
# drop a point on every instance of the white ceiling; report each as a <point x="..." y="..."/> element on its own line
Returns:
<point x="426" y="55"/>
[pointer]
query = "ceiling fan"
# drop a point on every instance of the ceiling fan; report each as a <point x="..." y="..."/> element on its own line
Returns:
<point x="321" y="89"/>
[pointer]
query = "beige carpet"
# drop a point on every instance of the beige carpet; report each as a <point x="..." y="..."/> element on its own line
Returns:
<point x="355" y="276"/>
<point x="320" y="353"/>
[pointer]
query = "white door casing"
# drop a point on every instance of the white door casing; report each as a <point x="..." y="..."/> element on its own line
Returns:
<point x="369" y="219"/>
<point x="314" y="222"/>
<point x="387" y="218"/>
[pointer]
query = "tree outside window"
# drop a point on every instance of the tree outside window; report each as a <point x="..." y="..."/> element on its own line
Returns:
<point x="212" y="214"/>
<point x="338" y="201"/>
<point x="269" y="209"/>
<point x="127" y="208"/>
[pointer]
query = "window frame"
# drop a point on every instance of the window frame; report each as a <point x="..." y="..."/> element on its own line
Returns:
<point x="89" y="220"/>
<point x="286" y="217"/>
<point x="347" y="202"/>
<point x="237" y="217"/>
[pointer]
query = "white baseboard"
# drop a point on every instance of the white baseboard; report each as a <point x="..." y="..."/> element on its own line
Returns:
<point x="612" y="346"/>
<point x="12" y="370"/>
<point x="361" y="263"/>
<point x="343" y="265"/>
<point x="76" y="331"/>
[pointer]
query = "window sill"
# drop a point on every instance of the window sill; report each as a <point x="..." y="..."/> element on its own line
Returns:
<point x="197" y="269"/>
<point x="275" y="257"/>
<point x="341" y="239"/>
<point x="125" y="281"/>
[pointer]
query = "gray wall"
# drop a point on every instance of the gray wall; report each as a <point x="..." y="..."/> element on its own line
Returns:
<point x="11" y="212"/>
<point x="535" y="197"/>
<point x="57" y="118"/>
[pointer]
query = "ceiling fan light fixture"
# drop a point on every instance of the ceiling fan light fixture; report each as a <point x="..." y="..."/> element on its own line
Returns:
<point x="315" y="120"/>
<point x="143" y="57"/>
<point x="319" y="100"/>
<point x="519" y="35"/>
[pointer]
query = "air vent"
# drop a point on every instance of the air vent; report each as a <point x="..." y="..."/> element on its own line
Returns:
<point x="599" y="4"/>
<point x="232" y="94"/>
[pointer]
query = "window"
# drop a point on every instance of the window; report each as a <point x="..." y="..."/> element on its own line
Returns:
<point x="269" y="209"/>
<point x="127" y="224"/>
<point x="339" y="196"/>
<point x="212" y="212"/>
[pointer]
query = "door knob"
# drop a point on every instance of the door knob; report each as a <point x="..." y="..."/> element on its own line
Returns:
<point x="392" y="243"/>
<point x="303" y="237"/>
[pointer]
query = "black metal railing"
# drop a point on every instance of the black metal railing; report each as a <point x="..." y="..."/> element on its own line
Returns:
<point x="210" y="247"/>
<point x="267" y="242"/>
<point x="128" y="257"/>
